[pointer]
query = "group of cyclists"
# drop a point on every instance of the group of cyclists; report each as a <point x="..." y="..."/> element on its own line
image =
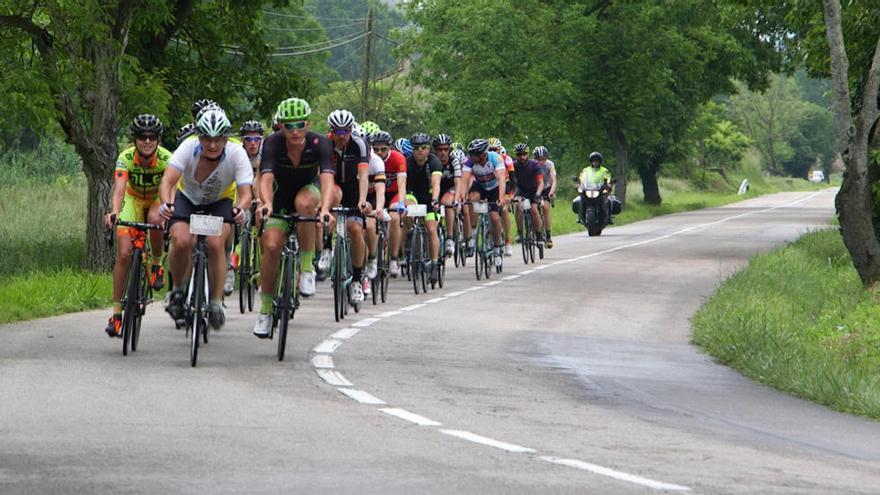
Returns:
<point x="294" y="170"/>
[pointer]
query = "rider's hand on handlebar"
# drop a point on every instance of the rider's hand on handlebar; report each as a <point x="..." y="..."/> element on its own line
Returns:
<point x="366" y="208"/>
<point x="239" y="215"/>
<point x="166" y="211"/>
<point x="264" y="212"/>
<point x="110" y="219"/>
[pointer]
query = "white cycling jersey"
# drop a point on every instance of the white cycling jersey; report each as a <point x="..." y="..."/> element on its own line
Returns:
<point x="234" y="166"/>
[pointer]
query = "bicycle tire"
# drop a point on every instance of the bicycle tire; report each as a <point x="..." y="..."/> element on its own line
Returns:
<point x="524" y="240"/>
<point x="479" y="257"/>
<point x="244" y="271"/>
<point x="336" y="280"/>
<point x="383" y="271"/>
<point x="131" y="300"/>
<point x="286" y="305"/>
<point x="145" y="294"/>
<point x="415" y="259"/>
<point x="198" y="320"/>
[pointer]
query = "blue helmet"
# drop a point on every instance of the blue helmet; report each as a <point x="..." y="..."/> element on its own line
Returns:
<point x="404" y="146"/>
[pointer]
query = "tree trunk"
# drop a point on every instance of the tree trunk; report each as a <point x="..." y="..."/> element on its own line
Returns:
<point x="99" y="255"/>
<point x="648" y="174"/>
<point x="621" y="161"/>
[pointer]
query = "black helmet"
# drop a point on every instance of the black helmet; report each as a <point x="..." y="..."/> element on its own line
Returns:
<point x="478" y="146"/>
<point x="198" y="105"/>
<point x="185" y="132"/>
<point x="381" y="137"/>
<point x="420" y="138"/>
<point x="521" y="148"/>
<point x="541" y="152"/>
<point x="146" y="122"/>
<point x="442" y="139"/>
<point x="596" y="156"/>
<point x="251" y="126"/>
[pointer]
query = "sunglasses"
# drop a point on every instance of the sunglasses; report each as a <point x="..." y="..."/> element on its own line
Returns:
<point x="252" y="139"/>
<point x="422" y="147"/>
<point x="342" y="132"/>
<point x="440" y="149"/>
<point x="295" y="125"/>
<point x="380" y="149"/>
<point x="520" y="155"/>
<point x="147" y="137"/>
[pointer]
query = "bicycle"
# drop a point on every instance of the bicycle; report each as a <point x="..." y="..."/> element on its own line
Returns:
<point x="460" y="238"/>
<point x="380" y="281"/>
<point x="484" y="255"/>
<point x="441" y="259"/>
<point x="138" y="292"/>
<point x="286" y="299"/>
<point x="340" y="269"/>
<point x="248" y="263"/>
<point x="418" y="258"/>
<point x="528" y="240"/>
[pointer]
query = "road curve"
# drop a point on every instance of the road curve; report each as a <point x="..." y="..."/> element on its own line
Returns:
<point x="575" y="377"/>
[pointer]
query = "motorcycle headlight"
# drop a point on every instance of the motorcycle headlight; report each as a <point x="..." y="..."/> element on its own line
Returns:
<point x="592" y="194"/>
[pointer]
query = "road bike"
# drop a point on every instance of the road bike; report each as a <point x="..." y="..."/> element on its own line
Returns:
<point x="341" y="277"/>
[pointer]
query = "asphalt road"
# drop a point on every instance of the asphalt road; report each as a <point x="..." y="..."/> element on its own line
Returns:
<point x="575" y="377"/>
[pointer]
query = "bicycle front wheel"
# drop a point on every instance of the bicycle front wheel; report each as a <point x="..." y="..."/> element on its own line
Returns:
<point x="144" y="293"/>
<point x="415" y="260"/>
<point x="244" y="271"/>
<point x="131" y="309"/>
<point x="286" y="305"/>
<point x="198" y="309"/>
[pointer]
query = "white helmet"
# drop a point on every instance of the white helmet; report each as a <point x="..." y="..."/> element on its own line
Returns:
<point x="339" y="119"/>
<point x="358" y="131"/>
<point x="214" y="123"/>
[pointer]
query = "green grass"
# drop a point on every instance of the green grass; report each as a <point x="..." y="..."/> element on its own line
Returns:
<point x="52" y="292"/>
<point x="798" y="319"/>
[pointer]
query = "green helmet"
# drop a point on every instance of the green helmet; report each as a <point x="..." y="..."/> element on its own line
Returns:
<point x="293" y="109"/>
<point x="370" y="127"/>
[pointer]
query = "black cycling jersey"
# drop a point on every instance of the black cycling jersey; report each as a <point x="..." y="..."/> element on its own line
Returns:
<point x="527" y="175"/>
<point x="289" y="178"/>
<point x="418" y="177"/>
<point x="347" y="161"/>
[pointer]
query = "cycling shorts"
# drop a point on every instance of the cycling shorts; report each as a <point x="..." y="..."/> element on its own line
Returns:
<point x="491" y="196"/>
<point x="134" y="210"/>
<point x="277" y="223"/>
<point x="183" y="208"/>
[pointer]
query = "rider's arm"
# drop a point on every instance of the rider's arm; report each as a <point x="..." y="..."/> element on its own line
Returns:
<point x="328" y="181"/>
<point x="553" y="180"/>
<point x="401" y="187"/>
<point x="380" y="195"/>
<point x="120" y="182"/>
<point x="169" y="184"/>
<point x="499" y="174"/>
<point x="363" y="182"/>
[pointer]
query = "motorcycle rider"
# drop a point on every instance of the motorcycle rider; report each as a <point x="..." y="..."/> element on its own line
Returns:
<point x="594" y="174"/>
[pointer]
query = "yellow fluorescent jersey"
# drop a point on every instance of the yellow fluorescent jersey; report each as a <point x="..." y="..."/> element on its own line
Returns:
<point x="143" y="178"/>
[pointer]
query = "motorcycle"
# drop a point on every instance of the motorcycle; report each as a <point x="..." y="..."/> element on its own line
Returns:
<point x="594" y="205"/>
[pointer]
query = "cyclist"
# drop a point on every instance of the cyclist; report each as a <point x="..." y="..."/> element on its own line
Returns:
<point x="403" y="146"/>
<point x="135" y="198"/>
<point x="251" y="133"/>
<point x="185" y="132"/>
<point x="529" y="181"/>
<point x="450" y="185"/>
<point x="594" y="174"/>
<point x="351" y="160"/>
<point x="198" y="175"/>
<point x="510" y="188"/>
<point x="292" y="158"/>
<point x="376" y="199"/>
<point x="423" y="174"/>
<point x="484" y="177"/>
<point x="395" y="176"/>
<point x="542" y="155"/>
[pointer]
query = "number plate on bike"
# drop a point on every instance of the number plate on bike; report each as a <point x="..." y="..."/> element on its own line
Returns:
<point x="525" y="204"/>
<point x="481" y="207"/>
<point x="205" y="225"/>
<point x="416" y="210"/>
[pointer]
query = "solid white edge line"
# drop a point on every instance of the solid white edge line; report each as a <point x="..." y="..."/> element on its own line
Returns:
<point x="478" y="287"/>
<point x="492" y="283"/>
<point x="436" y="300"/>
<point x="333" y="378"/>
<point x="322" y="361"/>
<point x="612" y="473"/>
<point x="411" y="307"/>
<point x="387" y="314"/>
<point x="526" y="272"/>
<point x="345" y="333"/>
<point x="361" y="396"/>
<point x="327" y="346"/>
<point x="455" y="294"/>
<point x="510" y="277"/>
<point x="473" y="437"/>
<point x="365" y="322"/>
<point x="411" y="417"/>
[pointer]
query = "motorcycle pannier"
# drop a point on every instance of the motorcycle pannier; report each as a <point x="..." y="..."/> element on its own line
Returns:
<point x="616" y="206"/>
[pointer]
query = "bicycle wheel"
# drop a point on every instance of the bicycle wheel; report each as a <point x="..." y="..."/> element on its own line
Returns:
<point x="383" y="271"/>
<point x="524" y="240"/>
<point x="244" y="270"/>
<point x="480" y="258"/>
<point x="144" y="295"/>
<point x="441" y="273"/>
<point x="198" y="303"/>
<point x="131" y="309"/>
<point x="285" y="305"/>
<point x="415" y="259"/>
<point x="337" y="278"/>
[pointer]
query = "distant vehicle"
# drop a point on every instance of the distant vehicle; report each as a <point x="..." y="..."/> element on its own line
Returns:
<point x="817" y="176"/>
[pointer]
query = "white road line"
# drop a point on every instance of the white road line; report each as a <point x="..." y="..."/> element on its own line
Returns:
<point x="492" y="283"/>
<point x="411" y="307"/>
<point x="361" y="396"/>
<point x="618" y="475"/>
<point x="478" y="287"/>
<point x="455" y="294"/>
<point x="510" y="277"/>
<point x="541" y="267"/>
<point x="408" y="416"/>
<point x="387" y="314"/>
<point x="327" y="346"/>
<point x="322" y="361"/>
<point x="365" y="322"/>
<point x="436" y="300"/>
<point x="345" y="333"/>
<point x="333" y="378"/>
<point x="473" y="437"/>
<point x="526" y="272"/>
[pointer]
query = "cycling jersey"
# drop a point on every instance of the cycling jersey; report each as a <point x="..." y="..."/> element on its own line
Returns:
<point x="418" y="177"/>
<point x="545" y="170"/>
<point x="143" y="178"/>
<point x="233" y="167"/>
<point x="451" y="171"/>
<point x="527" y="175"/>
<point x="484" y="173"/>
<point x="395" y="164"/>
<point x="289" y="177"/>
<point x="348" y="162"/>
<point x="377" y="171"/>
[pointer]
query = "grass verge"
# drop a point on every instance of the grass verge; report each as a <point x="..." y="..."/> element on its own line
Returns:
<point x="798" y="319"/>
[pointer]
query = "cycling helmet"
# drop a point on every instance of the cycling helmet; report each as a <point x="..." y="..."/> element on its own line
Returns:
<point x="251" y="126"/>
<point x="381" y="137"/>
<point x="443" y="139"/>
<point x="214" y="123"/>
<point x="370" y="127"/>
<point x="340" y="119"/>
<point x="541" y="152"/>
<point x="209" y="106"/>
<point x="478" y="146"/>
<point x="457" y="146"/>
<point x="521" y="148"/>
<point x="596" y="155"/>
<point x="358" y="130"/>
<point x="502" y="150"/>
<point x="146" y="123"/>
<point x="494" y="143"/>
<point x="420" y="138"/>
<point x="404" y="146"/>
<point x="458" y="155"/>
<point x="292" y="109"/>
<point x="185" y="132"/>
<point x="198" y="105"/>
